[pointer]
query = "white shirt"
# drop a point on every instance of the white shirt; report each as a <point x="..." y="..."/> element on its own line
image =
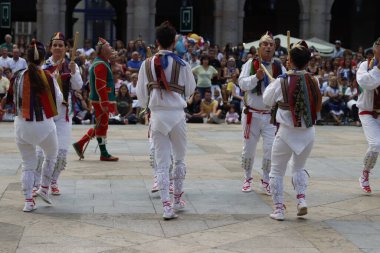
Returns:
<point x="4" y="62"/>
<point x="248" y="82"/>
<point x="368" y="80"/>
<point x="17" y="65"/>
<point x="167" y="108"/>
<point x="296" y="137"/>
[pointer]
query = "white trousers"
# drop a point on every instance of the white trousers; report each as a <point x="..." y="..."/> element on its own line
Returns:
<point x="260" y="126"/>
<point x="283" y="156"/>
<point x="64" y="139"/>
<point x="175" y="141"/>
<point x="371" y="128"/>
<point x="29" y="159"/>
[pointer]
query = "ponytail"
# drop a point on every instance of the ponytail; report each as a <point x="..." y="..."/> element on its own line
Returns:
<point x="35" y="79"/>
<point x="36" y="55"/>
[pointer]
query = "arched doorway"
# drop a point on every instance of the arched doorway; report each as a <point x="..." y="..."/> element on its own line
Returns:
<point x="203" y="15"/>
<point x="94" y="18"/>
<point x="354" y="22"/>
<point x="275" y="15"/>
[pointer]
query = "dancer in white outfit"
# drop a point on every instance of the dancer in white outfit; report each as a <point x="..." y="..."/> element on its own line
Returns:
<point x="69" y="79"/>
<point x="164" y="83"/>
<point x="256" y="117"/>
<point x="368" y="78"/>
<point x="299" y="99"/>
<point x="35" y="94"/>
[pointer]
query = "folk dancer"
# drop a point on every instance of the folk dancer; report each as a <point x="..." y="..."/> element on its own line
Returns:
<point x="368" y="78"/>
<point x="256" y="117"/>
<point x="36" y="95"/>
<point x="164" y="82"/>
<point x="69" y="79"/>
<point x="299" y="99"/>
<point x="102" y="96"/>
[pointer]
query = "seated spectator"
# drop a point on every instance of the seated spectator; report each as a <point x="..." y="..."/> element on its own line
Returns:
<point x="230" y="69"/>
<point x="4" y="59"/>
<point x="4" y="84"/>
<point x="134" y="64"/>
<point x="82" y="107"/>
<point x="124" y="105"/>
<point x="209" y="109"/>
<point x="16" y="62"/>
<point x="335" y="102"/>
<point x="193" y="110"/>
<point x="232" y="116"/>
<point x="132" y="92"/>
<point x="352" y="97"/>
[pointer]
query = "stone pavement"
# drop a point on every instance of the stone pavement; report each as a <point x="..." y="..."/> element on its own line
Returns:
<point x="108" y="207"/>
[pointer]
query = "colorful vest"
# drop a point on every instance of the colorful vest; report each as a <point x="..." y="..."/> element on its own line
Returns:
<point x="276" y="71"/>
<point x="30" y="105"/>
<point x="159" y="84"/>
<point x="301" y="97"/>
<point x="94" y="96"/>
<point x="63" y="78"/>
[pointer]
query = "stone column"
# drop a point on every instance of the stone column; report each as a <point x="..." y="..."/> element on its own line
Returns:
<point x="218" y="15"/>
<point x="141" y="20"/>
<point x="230" y="22"/>
<point x="152" y="23"/>
<point x="319" y="20"/>
<point x="50" y="18"/>
<point x="130" y="20"/>
<point x="240" y="20"/>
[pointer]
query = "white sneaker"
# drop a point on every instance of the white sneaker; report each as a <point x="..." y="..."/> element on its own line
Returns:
<point x="301" y="207"/>
<point x="364" y="182"/>
<point x="265" y="187"/>
<point x="29" y="205"/>
<point x="171" y="187"/>
<point x="279" y="213"/>
<point x="34" y="192"/>
<point x="179" y="206"/>
<point x="44" y="194"/>
<point x="247" y="186"/>
<point x="155" y="187"/>
<point x="169" y="213"/>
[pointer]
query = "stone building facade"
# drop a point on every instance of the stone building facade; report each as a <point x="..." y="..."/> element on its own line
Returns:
<point x="224" y="20"/>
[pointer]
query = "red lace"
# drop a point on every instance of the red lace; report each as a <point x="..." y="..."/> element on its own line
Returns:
<point x="300" y="196"/>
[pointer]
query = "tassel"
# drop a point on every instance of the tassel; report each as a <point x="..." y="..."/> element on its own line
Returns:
<point x="248" y="126"/>
<point x="36" y="55"/>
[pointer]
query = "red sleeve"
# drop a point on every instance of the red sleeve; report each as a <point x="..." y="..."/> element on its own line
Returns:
<point x="101" y="82"/>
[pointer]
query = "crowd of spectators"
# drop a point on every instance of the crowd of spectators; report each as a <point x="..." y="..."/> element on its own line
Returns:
<point x="217" y="99"/>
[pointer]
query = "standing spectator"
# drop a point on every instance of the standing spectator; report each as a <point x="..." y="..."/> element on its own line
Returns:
<point x="240" y="52"/>
<point x="279" y="50"/>
<point x="119" y="46"/>
<point x="194" y="61"/>
<point x="141" y="49"/>
<point x="16" y="62"/>
<point x="21" y="45"/>
<point x="338" y="51"/>
<point x="230" y="69"/>
<point x="8" y="43"/>
<point x="4" y="84"/>
<point x="204" y="73"/>
<point x="130" y="49"/>
<point x="134" y="64"/>
<point x="88" y="50"/>
<point x="4" y="59"/>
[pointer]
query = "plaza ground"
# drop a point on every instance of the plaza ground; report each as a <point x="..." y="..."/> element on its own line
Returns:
<point x="108" y="207"/>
